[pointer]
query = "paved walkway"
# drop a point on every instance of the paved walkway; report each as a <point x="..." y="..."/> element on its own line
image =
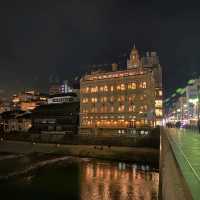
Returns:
<point x="186" y="147"/>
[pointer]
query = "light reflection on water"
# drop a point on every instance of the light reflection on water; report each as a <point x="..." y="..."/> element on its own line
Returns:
<point x="85" y="179"/>
<point x="105" y="181"/>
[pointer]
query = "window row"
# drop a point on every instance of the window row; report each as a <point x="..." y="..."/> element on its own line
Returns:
<point x="114" y="123"/>
<point x="111" y="88"/>
<point x="121" y="108"/>
<point x="112" y="99"/>
<point x="113" y="75"/>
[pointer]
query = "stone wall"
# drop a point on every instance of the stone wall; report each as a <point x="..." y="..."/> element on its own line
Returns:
<point x="150" y="141"/>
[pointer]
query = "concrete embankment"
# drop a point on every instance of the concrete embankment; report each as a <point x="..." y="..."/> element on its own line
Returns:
<point x="148" y="141"/>
<point x="130" y="154"/>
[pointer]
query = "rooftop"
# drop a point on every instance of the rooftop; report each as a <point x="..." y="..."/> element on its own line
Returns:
<point x="115" y="74"/>
<point x="71" y="94"/>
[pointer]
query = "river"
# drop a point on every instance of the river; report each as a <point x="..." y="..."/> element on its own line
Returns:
<point x="84" y="179"/>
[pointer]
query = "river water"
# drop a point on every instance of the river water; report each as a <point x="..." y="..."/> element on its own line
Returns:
<point x="84" y="179"/>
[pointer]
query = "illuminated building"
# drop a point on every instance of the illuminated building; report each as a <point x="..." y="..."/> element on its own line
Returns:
<point x="54" y="89"/>
<point x="66" y="93"/>
<point x="4" y="105"/>
<point x="57" y="88"/>
<point x="113" y="102"/>
<point x="28" y="100"/>
<point x="65" y="87"/>
<point x="16" y="121"/>
<point x="185" y="109"/>
<point x="63" y="98"/>
<point x="57" y="118"/>
<point x="192" y="95"/>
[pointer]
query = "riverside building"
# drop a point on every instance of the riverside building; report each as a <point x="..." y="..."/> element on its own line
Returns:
<point x="119" y="101"/>
<point x="28" y="100"/>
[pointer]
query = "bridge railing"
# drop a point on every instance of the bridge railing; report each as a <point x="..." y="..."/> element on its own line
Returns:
<point x="184" y="144"/>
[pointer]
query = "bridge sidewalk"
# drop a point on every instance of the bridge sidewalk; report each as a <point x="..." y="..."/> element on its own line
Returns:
<point x="186" y="147"/>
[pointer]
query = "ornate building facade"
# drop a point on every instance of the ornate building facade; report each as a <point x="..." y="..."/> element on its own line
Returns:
<point x="120" y="100"/>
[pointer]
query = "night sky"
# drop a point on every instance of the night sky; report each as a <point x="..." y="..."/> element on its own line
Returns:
<point x="47" y="38"/>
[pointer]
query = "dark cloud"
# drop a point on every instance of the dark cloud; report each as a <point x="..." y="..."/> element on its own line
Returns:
<point x="40" y="39"/>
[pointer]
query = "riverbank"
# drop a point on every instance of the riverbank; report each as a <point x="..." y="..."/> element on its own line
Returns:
<point x="152" y="140"/>
<point x="125" y="154"/>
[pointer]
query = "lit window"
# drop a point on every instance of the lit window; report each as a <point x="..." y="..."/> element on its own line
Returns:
<point x="121" y="98"/>
<point x="131" y="98"/>
<point x="122" y="87"/>
<point x="118" y="87"/>
<point x="94" y="89"/>
<point x="121" y="108"/>
<point x="93" y="110"/>
<point x="84" y="110"/>
<point x="132" y="86"/>
<point x="131" y="108"/>
<point x="87" y="89"/>
<point x="106" y="88"/>
<point x="160" y="93"/>
<point x="94" y="100"/>
<point x="103" y="99"/>
<point x="111" y="88"/>
<point x="101" y="88"/>
<point x="143" y="109"/>
<point x="158" y="103"/>
<point x="159" y="112"/>
<point x="144" y="85"/>
<point x="137" y="123"/>
<point x="85" y="100"/>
